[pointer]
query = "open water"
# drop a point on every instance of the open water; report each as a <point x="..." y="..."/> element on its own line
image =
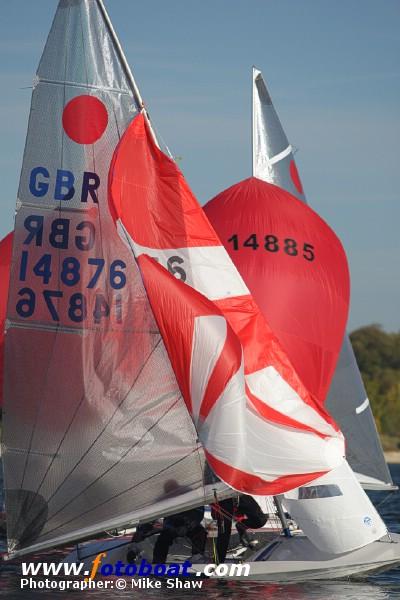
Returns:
<point x="382" y="586"/>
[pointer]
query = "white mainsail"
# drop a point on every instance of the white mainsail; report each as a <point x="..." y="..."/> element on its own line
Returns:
<point x="91" y="438"/>
<point x="273" y="161"/>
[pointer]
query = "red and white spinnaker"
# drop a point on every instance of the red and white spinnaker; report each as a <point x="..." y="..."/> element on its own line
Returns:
<point x="277" y="436"/>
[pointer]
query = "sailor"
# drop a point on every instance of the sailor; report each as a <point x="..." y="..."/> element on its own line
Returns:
<point x="247" y="514"/>
<point x="183" y="524"/>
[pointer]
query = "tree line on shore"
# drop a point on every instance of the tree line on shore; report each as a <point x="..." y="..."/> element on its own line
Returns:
<point x="378" y="357"/>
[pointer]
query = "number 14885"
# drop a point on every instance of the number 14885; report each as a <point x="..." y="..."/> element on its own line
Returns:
<point x="271" y="243"/>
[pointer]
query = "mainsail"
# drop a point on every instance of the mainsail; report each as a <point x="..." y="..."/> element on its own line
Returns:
<point x="287" y="436"/>
<point x="347" y="401"/>
<point x="5" y="265"/>
<point x="96" y="433"/>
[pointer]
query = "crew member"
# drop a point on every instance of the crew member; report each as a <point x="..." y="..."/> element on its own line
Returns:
<point x="184" y="524"/>
<point x="247" y="514"/>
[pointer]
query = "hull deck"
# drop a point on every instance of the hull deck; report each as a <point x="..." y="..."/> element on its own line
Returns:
<point x="277" y="559"/>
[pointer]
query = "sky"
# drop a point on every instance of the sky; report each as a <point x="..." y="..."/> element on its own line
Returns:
<point x="333" y="71"/>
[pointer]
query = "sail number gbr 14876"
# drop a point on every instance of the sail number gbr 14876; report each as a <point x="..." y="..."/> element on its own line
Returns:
<point x="71" y="274"/>
<point x="273" y="243"/>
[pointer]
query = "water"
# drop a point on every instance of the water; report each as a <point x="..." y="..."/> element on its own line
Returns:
<point x="382" y="586"/>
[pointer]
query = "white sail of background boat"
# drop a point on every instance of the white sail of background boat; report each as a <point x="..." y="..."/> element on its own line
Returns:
<point x="347" y="401"/>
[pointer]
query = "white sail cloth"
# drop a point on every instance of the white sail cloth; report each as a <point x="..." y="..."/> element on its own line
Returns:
<point x="335" y="513"/>
<point x="95" y="431"/>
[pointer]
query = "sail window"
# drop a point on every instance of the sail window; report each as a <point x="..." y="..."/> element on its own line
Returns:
<point x="319" y="491"/>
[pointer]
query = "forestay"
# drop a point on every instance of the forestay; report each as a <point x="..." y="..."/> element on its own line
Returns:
<point x="347" y="401"/>
<point x="95" y="432"/>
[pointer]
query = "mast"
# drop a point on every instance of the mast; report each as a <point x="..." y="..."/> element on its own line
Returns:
<point x="253" y="159"/>
<point x="135" y="90"/>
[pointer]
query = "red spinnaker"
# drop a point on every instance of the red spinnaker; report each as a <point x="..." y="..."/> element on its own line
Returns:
<point x="261" y="429"/>
<point x="296" y="269"/>
<point x="5" y="266"/>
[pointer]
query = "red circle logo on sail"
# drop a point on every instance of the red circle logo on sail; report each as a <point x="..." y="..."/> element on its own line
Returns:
<point x="294" y="174"/>
<point x="85" y="119"/>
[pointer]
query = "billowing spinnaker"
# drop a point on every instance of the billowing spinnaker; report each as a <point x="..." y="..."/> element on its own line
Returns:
<point x="347" y="402"/>
<point x="5" y="266"/>
<point x="296" y="269"/>
<point x="95" y="432"/>
<point x="159" y="216"/>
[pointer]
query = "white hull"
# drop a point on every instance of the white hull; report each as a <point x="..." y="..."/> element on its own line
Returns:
<point x="296" y="559"/>
<point x="280" y="560"/>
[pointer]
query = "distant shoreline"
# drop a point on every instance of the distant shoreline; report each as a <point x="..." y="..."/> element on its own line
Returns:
<point x="392" y="456"/>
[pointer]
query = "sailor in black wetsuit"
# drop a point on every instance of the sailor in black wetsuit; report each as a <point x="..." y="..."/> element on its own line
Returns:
<point x="184" y="524"/>
<point x="247" y="514"/>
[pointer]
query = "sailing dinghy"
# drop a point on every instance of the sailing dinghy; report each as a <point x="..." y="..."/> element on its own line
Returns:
<point x="286" y="293"/>
<point x="347" y="401"/>
<point x="111" y="425"/>
<point x="336" y="497"/>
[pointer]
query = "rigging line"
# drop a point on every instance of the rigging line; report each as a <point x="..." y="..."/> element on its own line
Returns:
<point x="116" y="463"/>
<point x="38" y="407"/>
<point x="121" y="493"/>
<point x="107" y="423"/>
<point x="231" y="516"/>
<point x="55" y="454"/>
<point x="388" y="495"/>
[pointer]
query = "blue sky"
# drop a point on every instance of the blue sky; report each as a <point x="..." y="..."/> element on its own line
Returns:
<point x="333" y="70"/>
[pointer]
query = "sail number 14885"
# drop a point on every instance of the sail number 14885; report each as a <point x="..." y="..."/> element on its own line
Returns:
<point x="272" y="243"/>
